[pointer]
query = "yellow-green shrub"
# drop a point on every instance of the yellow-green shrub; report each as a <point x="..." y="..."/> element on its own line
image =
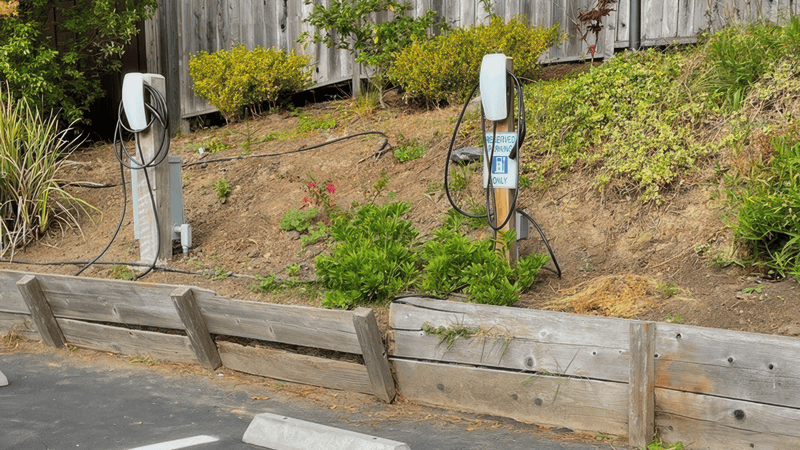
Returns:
<point x="446" y="68"/>
<point x="231" y="80"/>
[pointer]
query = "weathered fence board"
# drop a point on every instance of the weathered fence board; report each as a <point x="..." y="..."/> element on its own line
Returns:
<point x="196" y="329"/>
<point x="128" y="342"/>
<point x="40" y="310"/>
<point x="297" y="368"/>
<point x="570" y="402"/>
<point x="728" y="364"/>
<point x="512" y="352"/>
<point x="702" y="422"/>
<point x="296" y="325"/>
<point x="541" y="326"/>
<point x="20" y="324"/>
<point x="145" y="304"/>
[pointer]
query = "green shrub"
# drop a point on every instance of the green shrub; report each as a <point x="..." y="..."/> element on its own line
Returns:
<point x="298" y="220"/>
<point x="446" y="68"/>
<point x="453" y="261"/>
<point x="263" y="285"/>
<point x="373" y="258"/>
<point x="231" y="80"/>
<point x="768" y="206"/>
<point x="350" y="25"/>
<point x="32" y="152"/>
<point x="65" y="75"/>
<point x="630" y="120"/>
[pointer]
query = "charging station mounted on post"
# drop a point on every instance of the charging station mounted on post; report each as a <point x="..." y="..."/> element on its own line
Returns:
<point x="155" y="176"/>
<point x="501" y="151"/>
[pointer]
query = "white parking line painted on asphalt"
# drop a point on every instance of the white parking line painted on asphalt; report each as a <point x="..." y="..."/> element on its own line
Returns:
<point x="179" y="443"/>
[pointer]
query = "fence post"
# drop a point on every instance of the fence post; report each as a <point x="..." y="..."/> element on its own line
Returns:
<point x="374" y="352"/>
<point x="41" y="313"/>
<point x="641" y="413"/>
<point x="196" y="329"/>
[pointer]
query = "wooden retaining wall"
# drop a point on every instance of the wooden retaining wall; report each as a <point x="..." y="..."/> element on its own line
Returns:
<point x="92" y="313"/>
<point x="710" y="388"/>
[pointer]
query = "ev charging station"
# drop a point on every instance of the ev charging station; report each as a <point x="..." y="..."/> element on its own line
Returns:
<point x="503" y="135"/>
<point x="155" y="176"/>
<point x="500" y="168"/>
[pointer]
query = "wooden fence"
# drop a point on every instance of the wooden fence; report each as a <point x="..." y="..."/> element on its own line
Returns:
<point x="711" y="389"/>
<point x="92" y="313"/>
<point x="181" y="29"/>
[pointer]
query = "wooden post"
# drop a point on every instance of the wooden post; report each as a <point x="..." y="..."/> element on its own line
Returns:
<point x="504" y="198"/>
<point x="196" y="328"/>
<point x="641" y="415"/>
<point x="40" y="311"/>
<point x="375" y="358"/>
<point x="170" y="35"/>
<point x="356" y="81"/>
<point x="152" y="238"/>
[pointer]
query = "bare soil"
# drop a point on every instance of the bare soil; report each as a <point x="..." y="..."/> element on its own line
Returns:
<point x="678" y="248"/>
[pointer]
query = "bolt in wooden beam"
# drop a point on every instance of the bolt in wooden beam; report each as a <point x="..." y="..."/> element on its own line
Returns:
<point x="196" y="328"/>
<point x="42" y="315"/>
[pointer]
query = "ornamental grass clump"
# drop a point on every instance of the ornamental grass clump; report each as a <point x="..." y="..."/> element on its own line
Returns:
<point x="32" y="152"/>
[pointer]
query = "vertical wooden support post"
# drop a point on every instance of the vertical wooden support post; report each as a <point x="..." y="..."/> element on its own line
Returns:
<point x="641" y="415"/>
<point x="154" y="237"/>
<point x="356" y="76"/>
<point x="171" y="60"/>
<point x="504" y="198"/>
<point x="196" y="328"/>
<point x="40" y="311"/>
<point x="374" y="352"/>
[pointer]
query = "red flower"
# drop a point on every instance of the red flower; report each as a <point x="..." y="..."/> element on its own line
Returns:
<point x="305" y="199"/>
<point x="329" y="187"/>
<point x="312" y="185"/>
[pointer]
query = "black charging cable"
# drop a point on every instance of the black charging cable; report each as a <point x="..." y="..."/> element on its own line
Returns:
<point x="157" y="106"/>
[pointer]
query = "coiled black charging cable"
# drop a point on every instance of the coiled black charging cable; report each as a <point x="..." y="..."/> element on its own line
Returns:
<point x="488" y="157"/>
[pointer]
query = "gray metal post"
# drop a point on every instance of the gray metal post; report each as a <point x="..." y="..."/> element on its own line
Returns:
<point x="635" y="19"/>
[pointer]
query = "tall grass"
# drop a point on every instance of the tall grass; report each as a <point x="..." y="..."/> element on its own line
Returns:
<point x="768" y="205"/>
<point x="32" y="148"/>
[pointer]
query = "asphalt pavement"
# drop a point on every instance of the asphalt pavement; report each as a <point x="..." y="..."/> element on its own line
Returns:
<point x="55" y="401"/>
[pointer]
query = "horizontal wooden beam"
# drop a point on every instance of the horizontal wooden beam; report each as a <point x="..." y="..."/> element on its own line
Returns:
<point x="287" y="366"/>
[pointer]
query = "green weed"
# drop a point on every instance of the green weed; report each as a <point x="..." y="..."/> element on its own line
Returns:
<point x="298" y="220"/>
<point x="263" y="285"/>
<point x="674" y="318"/>
<point x="121" y="272"/>
<point x="405" y="153"/>
<point x="667" y="289"/>
<point x="222" y="189"/>
<point x="306" y="124"/>
<point x="757" y="289"/>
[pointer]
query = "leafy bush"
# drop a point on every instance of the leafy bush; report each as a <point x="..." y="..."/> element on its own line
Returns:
<point x="349" y="25"/>
<point x="446" y="68"/>
<point x="452" y="261"/>
<point x="630" y="120"/>
<point x="298" y="220"/>
<point x="231" y="80"/>
<point x="373" y="258"/>
<point x="32" y="148"/>
<point x="769" y="211"/>
<point x="263" y="285"/>
<point x="66" y="75"/>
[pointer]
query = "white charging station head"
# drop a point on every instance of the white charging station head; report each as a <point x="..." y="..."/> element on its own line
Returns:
<point x="133" y="101"/>
<point x="493" y="86"/>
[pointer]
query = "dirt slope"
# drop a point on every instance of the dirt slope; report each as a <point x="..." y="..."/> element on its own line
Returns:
<point x="667" y="258"/>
